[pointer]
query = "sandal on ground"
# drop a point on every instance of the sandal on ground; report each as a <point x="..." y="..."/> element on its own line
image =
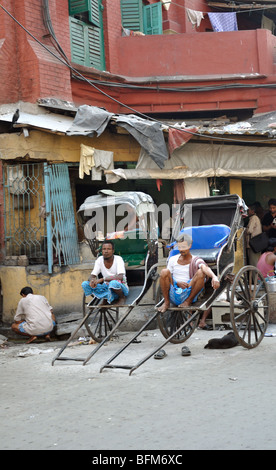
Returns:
<point x="160" y="354"/>
<point x="206" y="327"/>
<point x="185" y="351"/>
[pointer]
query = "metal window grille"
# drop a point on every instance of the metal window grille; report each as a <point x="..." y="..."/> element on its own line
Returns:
<point x="61" y="228"/>
<point x="39" y="214"/>
<point x="25" y="229"/>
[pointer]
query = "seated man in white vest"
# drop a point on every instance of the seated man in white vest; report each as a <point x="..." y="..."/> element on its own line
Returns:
<point x="184" y="277"/>
<point x="182" y="281"/>
<point x="112" y="286"/>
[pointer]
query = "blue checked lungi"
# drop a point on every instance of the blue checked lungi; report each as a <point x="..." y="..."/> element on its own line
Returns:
<point x="106" y="290"/>
<point x="178" y="295"/>
<point x="22" y="325"/>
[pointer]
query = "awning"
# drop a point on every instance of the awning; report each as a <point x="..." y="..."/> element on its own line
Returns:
<point x="115" y="175"/>
<point x="207" y="160"/>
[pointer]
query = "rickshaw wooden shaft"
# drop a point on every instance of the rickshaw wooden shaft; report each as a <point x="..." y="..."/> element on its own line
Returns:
<point x="133" y="368"/>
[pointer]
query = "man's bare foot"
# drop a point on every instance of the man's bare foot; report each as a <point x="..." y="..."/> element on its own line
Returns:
<point x="32" y="338"/>
<point x="164" y="307"/>
<point x="185" y="304"/>
<point x="47" y="338"/>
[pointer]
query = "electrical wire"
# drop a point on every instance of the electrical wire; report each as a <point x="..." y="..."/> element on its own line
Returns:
<point x="49" y="26"/>
<point x="184" y="89"/>
<point x="64" y="62"/>
<point x="263" y="8"/>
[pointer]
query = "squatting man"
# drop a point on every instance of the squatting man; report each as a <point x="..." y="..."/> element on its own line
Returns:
<point x="183" y="280"/>
<point x="34" y="316"/>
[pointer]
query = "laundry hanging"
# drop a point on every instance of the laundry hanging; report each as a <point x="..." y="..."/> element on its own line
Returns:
<point x="91" y="121"/>
<point x="86" y="160"/>
<point x="194" y="17"/>
<point x="222" y="22"/>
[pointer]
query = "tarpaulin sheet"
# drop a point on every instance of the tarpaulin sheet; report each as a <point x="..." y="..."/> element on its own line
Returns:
<point x="208" y="160"/>
<point x="178" y="137"/>
<point x="149" y="134"/>
<point x="91" y="120"/>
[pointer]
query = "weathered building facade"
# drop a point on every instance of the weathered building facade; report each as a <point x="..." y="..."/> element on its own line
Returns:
<point x="159" y="60"/>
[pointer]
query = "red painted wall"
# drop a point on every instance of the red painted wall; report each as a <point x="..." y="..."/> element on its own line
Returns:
<point x="197" y="54"/>
<point x="28" y="71"/>
<point x="189" y="60"/>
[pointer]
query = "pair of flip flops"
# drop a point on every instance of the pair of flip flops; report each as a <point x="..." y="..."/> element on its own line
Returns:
<point x="185" y="351"/>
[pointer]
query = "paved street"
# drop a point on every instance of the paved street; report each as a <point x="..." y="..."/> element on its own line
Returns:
<point x="214" y="399"/>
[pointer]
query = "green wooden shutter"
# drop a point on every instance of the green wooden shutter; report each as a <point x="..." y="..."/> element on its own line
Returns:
<point x="77" y="7"/>
<point x="86" y="44"/>
<point x="94" y="12"/>
<point x="132" y="14"/>
<point x="95" y="48"/>
<point x="152" y="16"/>
<point x="77" y="41"/>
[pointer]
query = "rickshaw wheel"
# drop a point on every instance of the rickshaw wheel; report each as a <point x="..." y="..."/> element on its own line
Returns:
<point x="101" y="321"/>
<point x="249" y="306"/>
<point x="171" y="321"/>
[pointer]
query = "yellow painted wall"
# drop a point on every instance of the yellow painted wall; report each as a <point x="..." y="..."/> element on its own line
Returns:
<point x="62" y="289"/>
<point x="60" y="148"/>
<point x="235" y="187"/>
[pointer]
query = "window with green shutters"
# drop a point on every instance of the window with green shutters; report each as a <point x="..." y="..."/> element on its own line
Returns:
<point x="86" y="30"/>
<point x="152" y="17"/>
<point x="91" y="7"/>
<point x="139" y="17"/>
<point x="132" y="14"/>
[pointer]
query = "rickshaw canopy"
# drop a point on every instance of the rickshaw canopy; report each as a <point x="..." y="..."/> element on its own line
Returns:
<point x="141" y="202"/>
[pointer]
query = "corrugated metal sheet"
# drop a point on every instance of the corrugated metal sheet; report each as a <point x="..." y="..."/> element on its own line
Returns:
<point x="259" y="125"/>
<point x="50" y="122"/>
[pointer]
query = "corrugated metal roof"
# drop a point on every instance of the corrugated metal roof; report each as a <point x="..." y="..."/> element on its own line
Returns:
<point x="259" y="125"/>
<point x="51" y="122"/>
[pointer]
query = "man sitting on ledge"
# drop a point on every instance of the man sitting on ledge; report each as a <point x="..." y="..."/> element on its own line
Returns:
<point x="184" y="277"/>
<point x="113" y="285"/>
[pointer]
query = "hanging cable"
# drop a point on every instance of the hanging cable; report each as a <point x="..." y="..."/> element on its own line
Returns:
<point x="248" y="10"/>
<point x="49" y="26"/>
<point x="144" y="116"/>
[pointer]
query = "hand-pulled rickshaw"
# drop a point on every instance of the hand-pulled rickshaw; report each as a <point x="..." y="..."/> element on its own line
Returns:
<point x="213" y="224"/>
<point x="135" y="238"/>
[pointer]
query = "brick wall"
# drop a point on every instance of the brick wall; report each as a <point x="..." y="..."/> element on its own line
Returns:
<point x="112" y="31"/>
<point x="28" y="71"/>
<point x="9" y="86"/>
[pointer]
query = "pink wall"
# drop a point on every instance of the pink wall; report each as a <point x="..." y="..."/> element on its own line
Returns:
<point x="196" y="54"/>
<point x="27" y="71"/>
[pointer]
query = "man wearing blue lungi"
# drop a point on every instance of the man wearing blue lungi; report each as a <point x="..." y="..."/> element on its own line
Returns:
<point x="184" y="277"/>
<point x="113" y="284"/>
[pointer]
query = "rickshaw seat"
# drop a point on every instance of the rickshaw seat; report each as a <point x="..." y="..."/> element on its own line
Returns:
<point x="132" y="247"/>
<point x="207" y="240"/>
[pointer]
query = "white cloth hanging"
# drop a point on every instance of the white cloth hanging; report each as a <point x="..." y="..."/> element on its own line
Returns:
<point x="194" y="17"/>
